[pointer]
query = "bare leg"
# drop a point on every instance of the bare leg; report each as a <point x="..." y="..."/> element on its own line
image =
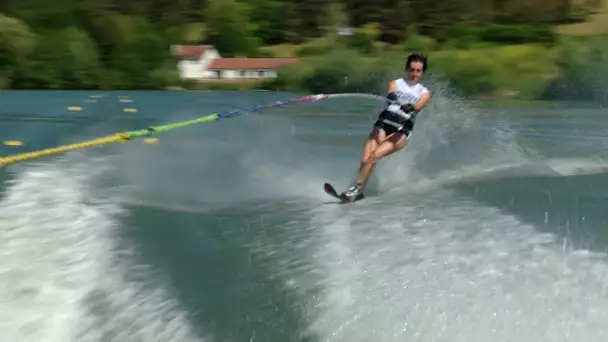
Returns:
<point x="371" y="172"/>
<point x="376" y="137"/>
<point x="394" y="143"/>
<point x="375" y="142"/>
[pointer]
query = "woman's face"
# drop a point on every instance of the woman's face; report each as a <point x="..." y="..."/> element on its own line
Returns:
<point x="414" y="71"/>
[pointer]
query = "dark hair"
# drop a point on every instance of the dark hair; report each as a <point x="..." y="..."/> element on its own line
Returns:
<point x="417" y="57"/>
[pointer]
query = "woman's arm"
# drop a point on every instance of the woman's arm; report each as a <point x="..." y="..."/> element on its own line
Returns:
<point x="392" y="86"/>
<point x="423" y="101"/>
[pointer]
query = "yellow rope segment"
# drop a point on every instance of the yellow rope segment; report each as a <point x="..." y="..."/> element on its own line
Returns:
<point x="65" y="148"/>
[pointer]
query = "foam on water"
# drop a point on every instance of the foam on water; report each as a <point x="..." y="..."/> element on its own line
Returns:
<point x="62" y="276"/>
<point x="578" y="166"/>
<point x="451" y="137"/>
<point x="257" y="156"/>
<point x="421" y="264"/>
<point x="405" y="266"/>
<point x="425" y="270"/>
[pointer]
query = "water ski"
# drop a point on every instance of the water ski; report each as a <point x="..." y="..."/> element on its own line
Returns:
<point x="331" y="191"/>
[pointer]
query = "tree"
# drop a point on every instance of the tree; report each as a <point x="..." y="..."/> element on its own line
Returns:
<point x="229" y="28"/>
<point x="17" y="41"/>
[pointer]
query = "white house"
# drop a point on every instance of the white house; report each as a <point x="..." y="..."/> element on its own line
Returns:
<point x="246" y="68"/>
<point x="203" y="62"/>
<point x="194" y="60"/>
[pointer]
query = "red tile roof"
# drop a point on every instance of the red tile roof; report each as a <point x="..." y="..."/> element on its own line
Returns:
<point x="190" y="50"/>
<point x="250" y="63"/>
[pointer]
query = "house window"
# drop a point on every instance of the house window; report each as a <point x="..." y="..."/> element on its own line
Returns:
<point x="218" y="74"/>
<point x="242" y="73"/>
<point x="261" y="73"/>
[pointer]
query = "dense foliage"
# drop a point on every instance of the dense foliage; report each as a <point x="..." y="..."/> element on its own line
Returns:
<point x="125" y="44"/>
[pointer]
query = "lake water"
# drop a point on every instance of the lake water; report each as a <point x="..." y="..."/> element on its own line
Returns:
<point x="490" y="226"/>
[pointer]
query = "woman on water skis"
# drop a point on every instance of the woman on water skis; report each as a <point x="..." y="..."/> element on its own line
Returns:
<point x="393" y="129"/>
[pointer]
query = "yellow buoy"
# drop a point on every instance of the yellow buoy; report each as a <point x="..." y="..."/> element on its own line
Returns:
<point x="74" y="108"/>
<point x="129" y="110"/>
<point x="150" y="140"/>
<point x="13" y="143"/>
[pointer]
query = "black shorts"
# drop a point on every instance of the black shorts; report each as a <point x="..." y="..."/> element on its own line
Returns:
<point x="390" y="129"/>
